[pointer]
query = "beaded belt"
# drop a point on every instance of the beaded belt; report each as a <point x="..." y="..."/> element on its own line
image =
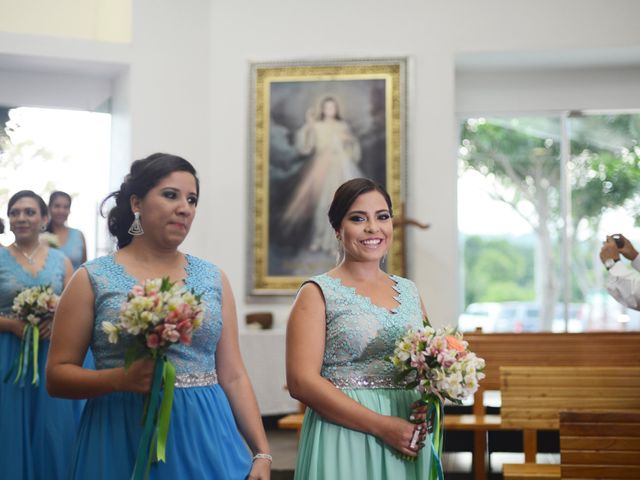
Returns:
<point x="364" y="381"/>
<point x="187" y="380"/>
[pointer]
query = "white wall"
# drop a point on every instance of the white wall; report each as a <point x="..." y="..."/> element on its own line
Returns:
<point x="436" y="36"/>
<point x="185" y="90"/>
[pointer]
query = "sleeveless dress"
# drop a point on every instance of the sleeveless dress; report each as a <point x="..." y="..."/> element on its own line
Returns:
<point x="74" y="248"/>
<point x="203" y="440"/>
<point x="359" y="335"/>
<point x="36" y="431"/>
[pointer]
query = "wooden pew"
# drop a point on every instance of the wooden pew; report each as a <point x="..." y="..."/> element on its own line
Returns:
<point x="533" y="397"/>
<point x="600" y="445"/>
<point x="534" y="349"/>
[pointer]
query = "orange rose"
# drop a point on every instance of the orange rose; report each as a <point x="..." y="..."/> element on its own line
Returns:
<point x="454" y="343"/>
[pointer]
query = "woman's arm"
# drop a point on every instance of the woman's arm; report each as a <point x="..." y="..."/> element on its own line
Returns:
<point x="234" y="380"/>
<point x="305" y="351"/>
<point x="72" y="330"/>
<point x="11" y="325"/>
<point x="68" y="271"/>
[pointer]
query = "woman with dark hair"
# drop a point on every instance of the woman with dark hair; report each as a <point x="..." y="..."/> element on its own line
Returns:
<point x="342" y="326"/>
<point x="36" y="430"/>
<point x="71" y="240"/>
<point x="153" y="212"/>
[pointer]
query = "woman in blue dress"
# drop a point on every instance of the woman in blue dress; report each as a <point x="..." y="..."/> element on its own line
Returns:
<point x="36" y="430"/>
<point x="71" y="240"/>
<point x="342" y="326"/>
<point x="214" y="406"/>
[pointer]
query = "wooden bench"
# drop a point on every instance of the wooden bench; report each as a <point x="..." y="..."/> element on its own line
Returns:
<point x="534" y="349"/>
<point x="533" y="397"/>
<point x="600" y="445"/>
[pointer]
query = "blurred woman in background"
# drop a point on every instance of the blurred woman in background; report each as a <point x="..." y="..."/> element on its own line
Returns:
<point x="71" y="240"/>
<point x="36" y="430"/>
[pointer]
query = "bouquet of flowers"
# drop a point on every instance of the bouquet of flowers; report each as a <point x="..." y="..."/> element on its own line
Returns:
<point x="32" y="306"/>
<point x="159" y="313"/>
<point x="51" y="239"/>
<point x="439" y="364"/>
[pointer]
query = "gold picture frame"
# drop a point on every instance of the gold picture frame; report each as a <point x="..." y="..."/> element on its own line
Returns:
<point x="314" y="125"/>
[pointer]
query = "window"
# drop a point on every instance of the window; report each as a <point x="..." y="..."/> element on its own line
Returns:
<point x="47" y="149"/>
<point x="537" y="195"/>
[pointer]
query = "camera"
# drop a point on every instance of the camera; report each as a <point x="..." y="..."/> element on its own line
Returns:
<point x="618" y="239"/>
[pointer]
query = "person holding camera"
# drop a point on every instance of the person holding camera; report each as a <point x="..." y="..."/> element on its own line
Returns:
<point x="623" y="282"/>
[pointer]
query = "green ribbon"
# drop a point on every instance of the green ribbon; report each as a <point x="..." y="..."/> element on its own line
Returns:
<point x="36" y="345"/>
<point x="156" y="419"/>
<point x="28" y="353"/>
<point x="437" y="413"/>
<point x="169" y="380"/>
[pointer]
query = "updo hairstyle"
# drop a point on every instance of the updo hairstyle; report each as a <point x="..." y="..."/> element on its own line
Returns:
<point x="347" y="193"/>
<point x="28" y="194"/>
<point x="145" y="174"/>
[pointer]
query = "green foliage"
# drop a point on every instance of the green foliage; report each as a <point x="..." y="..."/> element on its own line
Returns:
<point x="521" y="156"/>
<point x="497" y="270"/>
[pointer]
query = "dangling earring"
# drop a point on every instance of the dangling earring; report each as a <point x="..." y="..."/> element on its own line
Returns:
<point x="384" y="260"/>
<point x="43" y="227"/>
<point x="136" y="227"/>
<point x="339" y="252"/>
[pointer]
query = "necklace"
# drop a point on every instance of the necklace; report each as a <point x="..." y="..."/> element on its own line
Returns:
<point x="30" y="259"/>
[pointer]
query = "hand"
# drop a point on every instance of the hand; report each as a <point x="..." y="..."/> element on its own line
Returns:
<point x="138" y="377"/>
<point x="45" y="329"/>
<point x="419" y="411"/>
<point x="398" y="433"/>
<point x="260" y="470"/>
<point x="609" y="250"/>
<point x="627" y="250"/>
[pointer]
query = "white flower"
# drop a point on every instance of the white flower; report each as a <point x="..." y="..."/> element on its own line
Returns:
<point x="111" y="330"/>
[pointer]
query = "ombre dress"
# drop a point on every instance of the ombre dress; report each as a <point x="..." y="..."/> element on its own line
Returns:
<point x="74" y="247"/>
<point x="359" y="335"/>
<point x="36" y="431"/>
<point x="203" y="441"/>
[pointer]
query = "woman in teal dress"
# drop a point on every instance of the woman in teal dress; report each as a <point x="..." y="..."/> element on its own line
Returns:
<point x="214" y="409"/>
<point x="342" y="326"/>
<point x="71" y="240"/>
<point x="36" y="430"/>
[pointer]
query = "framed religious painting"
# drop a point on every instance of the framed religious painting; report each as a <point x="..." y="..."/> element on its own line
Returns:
<point x="315" y="125"/>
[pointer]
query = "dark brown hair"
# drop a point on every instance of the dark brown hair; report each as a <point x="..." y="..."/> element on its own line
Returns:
<point x="347" y="193"/>
<point x="145" y="174"/>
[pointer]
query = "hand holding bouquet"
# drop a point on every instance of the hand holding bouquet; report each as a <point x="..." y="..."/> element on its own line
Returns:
<point x="439" y="364"/>
<point x="32" y="306"/>
<point x="159" y="313"/>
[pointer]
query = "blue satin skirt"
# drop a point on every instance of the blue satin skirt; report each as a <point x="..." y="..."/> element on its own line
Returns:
<point x="203" y="440"/>
<point x="37" y="431"/>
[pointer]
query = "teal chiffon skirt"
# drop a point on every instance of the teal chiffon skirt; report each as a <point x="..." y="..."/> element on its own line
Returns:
<point x="329" y="451"/>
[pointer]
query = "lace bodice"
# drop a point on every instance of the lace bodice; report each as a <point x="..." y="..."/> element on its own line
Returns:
<point x="111" y="284"/>
<point x="360" y="334"/>
<point x="14" y="278"/>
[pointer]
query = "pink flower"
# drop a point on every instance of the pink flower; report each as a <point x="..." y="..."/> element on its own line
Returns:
<point x="153" y="340"/>
<point x="137" y="290"/>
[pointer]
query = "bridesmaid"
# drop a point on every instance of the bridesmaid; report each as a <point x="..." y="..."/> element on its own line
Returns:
<point x="215" y="419"/>
<point x="342" y="326"/>
<point x="72" y="241"/>
<point x="36" y="430"/>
